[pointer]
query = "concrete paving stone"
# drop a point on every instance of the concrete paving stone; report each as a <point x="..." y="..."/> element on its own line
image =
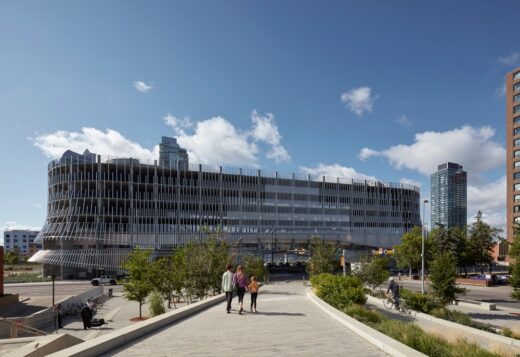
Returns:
<point x="287" y="323"/>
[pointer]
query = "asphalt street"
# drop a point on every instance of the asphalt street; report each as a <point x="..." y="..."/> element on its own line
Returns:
<point x="500" y="295"/>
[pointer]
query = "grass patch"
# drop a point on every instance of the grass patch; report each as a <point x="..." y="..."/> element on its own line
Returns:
<point x="26" y="278"/>
<point x="506" y="331"/>
<point x="460" y="318"/>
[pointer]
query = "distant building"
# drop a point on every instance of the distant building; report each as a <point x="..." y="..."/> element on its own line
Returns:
<point x="171" y="155"/>
<point x="449" y="196"/>
<point x="513" y="150"/>
<point x="23" y="241"/>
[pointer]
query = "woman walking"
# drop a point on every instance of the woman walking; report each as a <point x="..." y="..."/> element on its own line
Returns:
<point x="253" y="289"/>
<point x="240" y="282"/>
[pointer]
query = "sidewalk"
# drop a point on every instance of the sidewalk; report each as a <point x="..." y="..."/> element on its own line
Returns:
<point x="288" y="323"/>
<point x="498" y="318"/>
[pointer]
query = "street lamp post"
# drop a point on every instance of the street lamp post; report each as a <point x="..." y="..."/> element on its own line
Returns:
<point x="422" y="245"/>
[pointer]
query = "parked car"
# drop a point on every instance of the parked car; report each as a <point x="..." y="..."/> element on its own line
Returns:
<point x="502" y="278"/>
<point x="104" y="279"/>
<point x="478" y="277"/>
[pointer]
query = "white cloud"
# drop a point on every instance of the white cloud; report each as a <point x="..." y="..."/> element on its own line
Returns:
<point x="491" y="200"/>
<point x="471" y="147"/>
<point x="335" y="170"/>
<point x="403" y="120"/>
<point x="410" y="182"/>
<point x="217" y="141"/>
<point x="358" y="100"/>
<point x="367" y="153"/>
<point x="37" y="205"/>
<point x="142" y="87"/>
<point x="110" y="143"/>
<point x="510" y="59"/>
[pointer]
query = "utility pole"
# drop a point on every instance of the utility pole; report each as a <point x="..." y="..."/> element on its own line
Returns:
<point x="344" y="263"/>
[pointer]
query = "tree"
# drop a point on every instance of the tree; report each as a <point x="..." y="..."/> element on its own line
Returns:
<point x="12" y="256"/>
<point x="374" y="271"/>
<point x="482" y="239"/>
<point x="453" y="240"/>
<point x="138" y="285"/>
<point x="165" y="278"/>
<point x="217" y="257"/>
<point x="514" y="255"/>
<point x="443" y="274"/>
<point x="254" y="266"/>
<point x="408" y="253"/>
<point x="323" y="256"/>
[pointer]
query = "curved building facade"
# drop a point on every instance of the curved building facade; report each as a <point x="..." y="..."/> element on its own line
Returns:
<point x="99" y="209"/>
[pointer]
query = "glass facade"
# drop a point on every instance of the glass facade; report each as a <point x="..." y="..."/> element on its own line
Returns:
<point x="449" y="196"/>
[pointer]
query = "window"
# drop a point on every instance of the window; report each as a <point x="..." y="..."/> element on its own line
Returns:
<point x="517" y="164"/>
<point x="516" y="87"/>
<point x="517" y="153"/>
<point x="516" y="209"/>
<point x="516" y="132"/>
<point x="516" y="176"/>
<point x="7" y="240"/>
<point x="516" y="120"/>
<point x="7" y="235"/>
<point x="516" y="109"/>
<point x="517" y="198"/>
<point x="516" y="75"/>
<point x="517" y="187"/>
<point x="516" y="98"/>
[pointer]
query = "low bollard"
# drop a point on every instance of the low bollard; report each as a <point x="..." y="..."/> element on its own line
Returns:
<point x="110" y="292"/>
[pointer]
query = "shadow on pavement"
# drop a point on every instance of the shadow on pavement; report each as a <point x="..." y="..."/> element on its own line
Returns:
<point x="278" y="313"/>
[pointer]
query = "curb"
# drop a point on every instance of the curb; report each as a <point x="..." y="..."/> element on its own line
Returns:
<point x="383" y="342"/>
<point x="491" y="336"/>
<point x="112" y="340"/>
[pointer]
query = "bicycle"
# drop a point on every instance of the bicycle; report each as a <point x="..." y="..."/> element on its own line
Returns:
<point x="390" y="303"/>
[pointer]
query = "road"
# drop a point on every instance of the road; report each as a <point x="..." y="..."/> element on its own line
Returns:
<point x="500" y="295"/>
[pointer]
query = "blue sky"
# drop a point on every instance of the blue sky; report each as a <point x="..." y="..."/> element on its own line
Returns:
<point x="384" y="89"/>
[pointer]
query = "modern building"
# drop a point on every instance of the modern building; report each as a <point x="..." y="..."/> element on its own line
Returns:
<point x="513" y="149"/>
<point x="449" y="204"/>
<point x="172" y="155"/>
<point x="21" y="241"/>
<point x="98" y="211"/>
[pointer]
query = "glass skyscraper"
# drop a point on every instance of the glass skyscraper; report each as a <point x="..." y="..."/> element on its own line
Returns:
<point x="449" y="196"/>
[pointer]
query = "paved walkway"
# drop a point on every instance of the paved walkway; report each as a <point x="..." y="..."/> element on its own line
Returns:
<point x="287" y="323"/>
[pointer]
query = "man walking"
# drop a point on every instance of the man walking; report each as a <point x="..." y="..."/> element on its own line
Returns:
<point x="394" y="288"/>
<point x="227" y="286"/>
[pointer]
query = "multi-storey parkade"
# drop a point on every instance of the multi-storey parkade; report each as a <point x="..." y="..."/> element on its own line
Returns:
<point x="99" y="208"/>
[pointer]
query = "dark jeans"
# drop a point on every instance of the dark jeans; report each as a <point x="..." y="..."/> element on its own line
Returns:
<point x="253" y="300"/>
<point x="86" y="316"/>
<point x="59" y="321"/>
<point x="396" y="300"/>
<point x="240" y="293"/>
<point x="229" y="298"/>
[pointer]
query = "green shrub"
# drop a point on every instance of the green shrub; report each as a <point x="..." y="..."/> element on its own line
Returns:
<point x="339" y="291"/>
<point x="420" y="302"/>
<point x="460" y="318"/>
<point x="363" y="315"/>
<point x="156" y="303"/>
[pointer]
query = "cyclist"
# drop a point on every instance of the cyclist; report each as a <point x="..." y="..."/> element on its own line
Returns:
<point x="394" y="288"/>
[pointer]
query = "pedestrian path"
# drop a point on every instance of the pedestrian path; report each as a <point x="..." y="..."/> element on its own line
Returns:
<point x="287" y="323"/>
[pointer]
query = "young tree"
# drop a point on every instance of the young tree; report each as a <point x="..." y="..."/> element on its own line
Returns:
<point x="374" y="271"/>
<point x="217" y="257"/>
<point x="408" y="253"/>
<point x="514" y="255"/>
<point x="453" y="240"/>
<point x="443" y="274"/>
<point x="165" y="278"/>
<point x="323" y="256"/>
<point x="254" y="266"/>
<point x="482" y="239"/>
<point x="137" y="285"/>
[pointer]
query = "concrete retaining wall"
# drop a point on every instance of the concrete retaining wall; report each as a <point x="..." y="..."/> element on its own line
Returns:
<point x="112" y="340"/>
<point x="453" y="332"/>
<point x="45" y="318"/>
<point x="382" y="341"/>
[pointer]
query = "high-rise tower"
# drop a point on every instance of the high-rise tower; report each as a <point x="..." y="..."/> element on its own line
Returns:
<point x="172" y="155"/>
<point x="513" y="149"/>
<point x="449" y="196"/>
